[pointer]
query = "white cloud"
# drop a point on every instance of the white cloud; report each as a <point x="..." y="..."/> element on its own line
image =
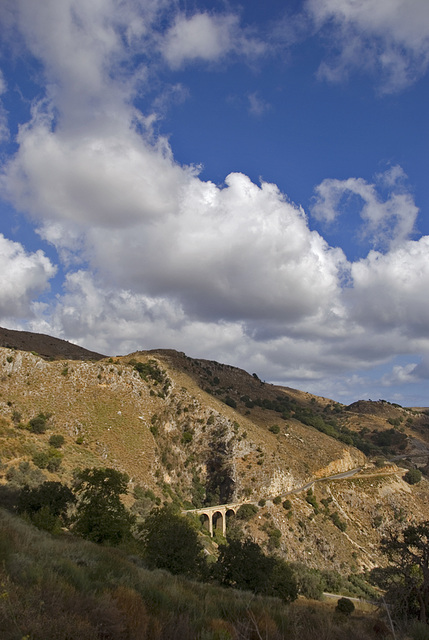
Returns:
<point x="388" y="37"/>
<point x="23" y="276"/>
<point x="4" y="130"/>
<point x="113" y="179"/>
<point x="257" y="105"/>
<point x="386" y="222"/>
<point x="207" y="37"/>
<point x="163" y="258"/>
<point x="389" y="290"/>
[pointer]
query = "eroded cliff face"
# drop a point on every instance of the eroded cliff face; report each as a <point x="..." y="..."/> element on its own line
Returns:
<point x="350" y="459"/>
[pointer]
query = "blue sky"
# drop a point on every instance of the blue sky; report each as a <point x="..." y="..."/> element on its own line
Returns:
<point x="245" y="182"/>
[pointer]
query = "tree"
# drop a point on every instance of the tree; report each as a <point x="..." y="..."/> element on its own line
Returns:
<point x="243" y="565"/>
<point x="101" y="516"/>
<point x="170" y="542"/>
<point x="46" y="505"/>
<point x="407" y="578"/>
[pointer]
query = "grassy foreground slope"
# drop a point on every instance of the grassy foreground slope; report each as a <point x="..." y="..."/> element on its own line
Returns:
<point x="64" y="588"/>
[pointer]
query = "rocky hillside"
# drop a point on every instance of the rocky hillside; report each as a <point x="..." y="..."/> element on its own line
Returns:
<point x="201" y="433"/>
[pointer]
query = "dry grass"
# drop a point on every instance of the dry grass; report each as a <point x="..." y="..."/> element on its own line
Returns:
<point x="67" y="589"/>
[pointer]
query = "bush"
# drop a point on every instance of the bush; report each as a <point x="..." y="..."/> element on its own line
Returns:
<point x="311" y="499"/>
<point x="187" y="437"/>
<point x="274" y="429"/>
<point x="38" y="424"/>
<point x="287" y="504"/>
<point x="413" y="476"/>
<point x="247" y="511"/>
<point x="277" y="500"/>
<point x="50" y="459"/>
<point x="310" y="582"/>
<point x="345" y="606"/>
<point x="230" y="402"/>
<point x="56" y="441"/>
<point x="340" y="524"/>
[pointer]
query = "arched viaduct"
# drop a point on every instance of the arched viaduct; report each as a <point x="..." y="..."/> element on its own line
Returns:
<point x="215" y="517"/>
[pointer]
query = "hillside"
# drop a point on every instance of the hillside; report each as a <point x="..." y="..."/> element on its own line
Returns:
<point x="45" y="346"/>
<point x="198" y="432"/>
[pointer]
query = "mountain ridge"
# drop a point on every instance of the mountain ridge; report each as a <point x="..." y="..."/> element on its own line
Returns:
<point x="198" y="432"/>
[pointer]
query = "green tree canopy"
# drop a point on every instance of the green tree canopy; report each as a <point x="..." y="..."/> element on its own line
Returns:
<point x="51" y="498"/>
<point x="407" y="579"/>
<point x="171" y="542"/>
<point x="101" y="516"/>
<point x="243" y="565"/>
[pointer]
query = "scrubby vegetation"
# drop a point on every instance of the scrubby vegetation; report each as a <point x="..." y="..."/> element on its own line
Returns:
<point x="93" y="592"/>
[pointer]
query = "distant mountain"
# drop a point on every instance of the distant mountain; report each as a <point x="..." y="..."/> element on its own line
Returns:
<point x="45" y="346"/>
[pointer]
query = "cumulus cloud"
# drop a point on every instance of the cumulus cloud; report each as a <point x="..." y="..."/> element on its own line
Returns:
<point x="207" y="37"/>
<point x="23" y="276"/>
<point x="388" y="289"/>
<point x="386" y="222"/>
<point x="160" y="257"/>
<point x="113" y="179"/>
<point x="389" y="37"/>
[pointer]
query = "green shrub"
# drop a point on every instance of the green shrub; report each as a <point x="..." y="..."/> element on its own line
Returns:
<point x="287" y="504"/>
<point x="274" y="429"/>
<point x="16" y="417"/>
<point x="413" y="476"/>
<point x="50" y="459"/>
<point x="247" y="511"/>
<point x="311" y="499"/>
<point x="345" y="606"/>
<point x="38" y="424"/>
<point x="41" y="459"/>
<point x="187" y="437"/>
<point x="230" y="402"/>
<point x="56" y="441"/>
<point x="277" y="500"/>
<point x="243" y="565"/>
<point x="24" y="474"/>
<point x="340" y="524"/>
<point x="309" y="581"/>
<point x="54" y="461"/>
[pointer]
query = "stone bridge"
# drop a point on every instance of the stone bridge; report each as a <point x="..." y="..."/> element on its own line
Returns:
<point x="215" y="517"/>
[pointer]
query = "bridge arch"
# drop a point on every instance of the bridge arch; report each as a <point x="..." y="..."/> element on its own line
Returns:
<point x="215" y="518"/>
<point x="207" y="523"/>
<point x="219" y="521"/>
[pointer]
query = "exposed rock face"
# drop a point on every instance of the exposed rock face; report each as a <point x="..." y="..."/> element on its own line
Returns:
<point x="351" y="459"/>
